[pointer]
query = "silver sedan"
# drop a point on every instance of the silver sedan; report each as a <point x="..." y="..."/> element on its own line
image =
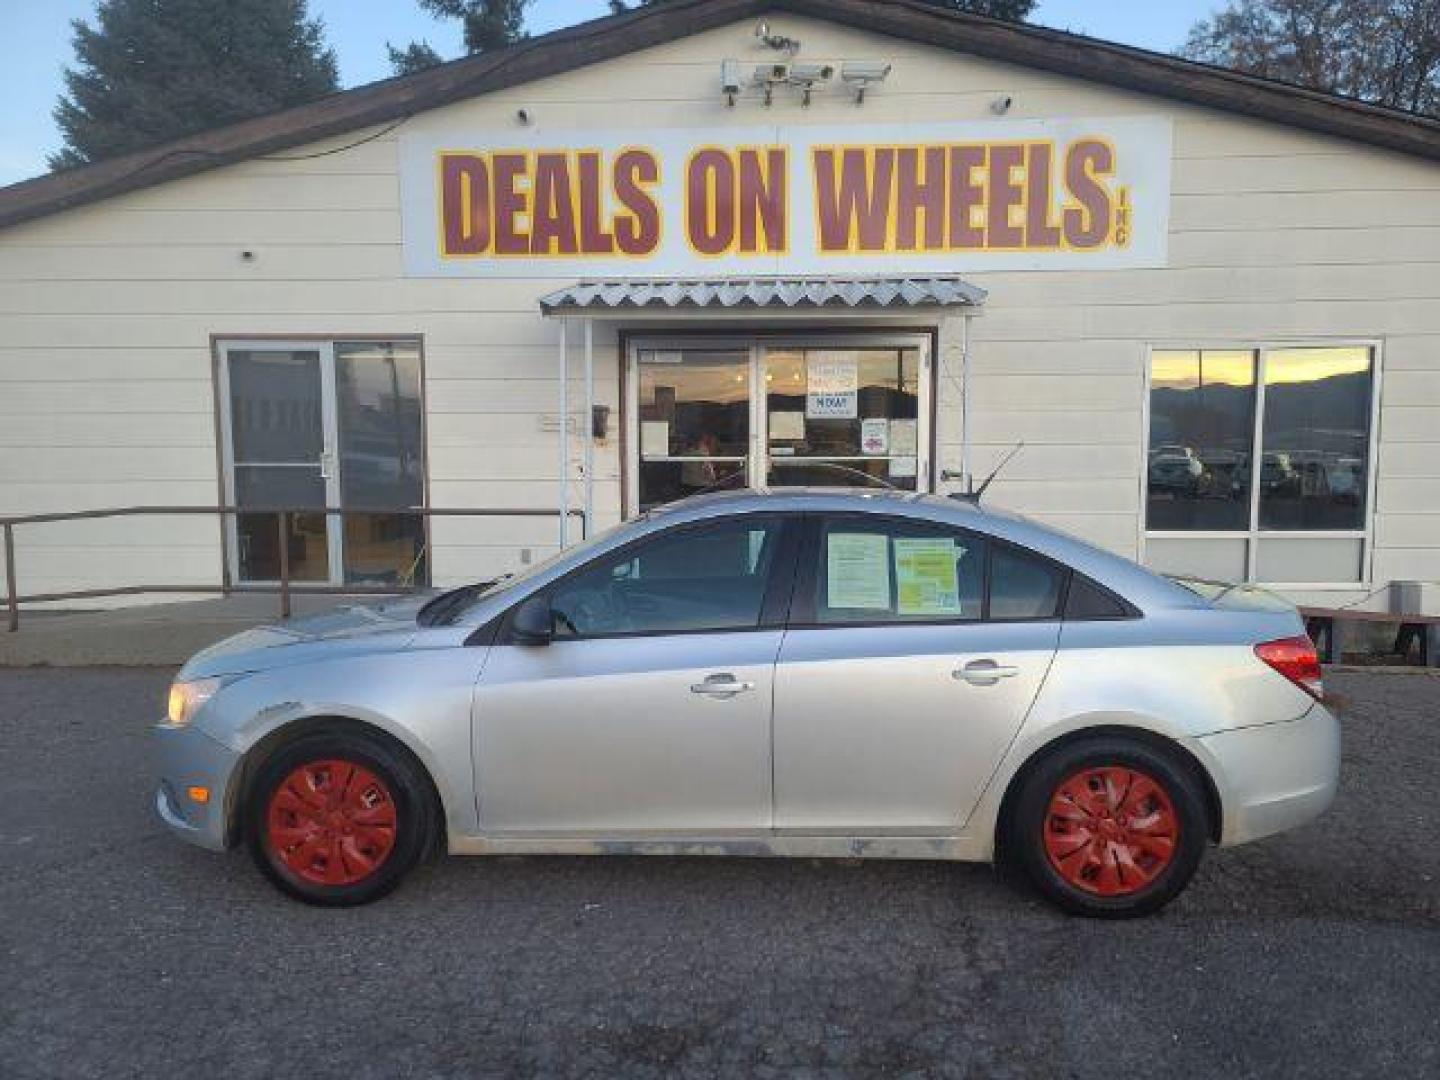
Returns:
<point x="808" y="673"/>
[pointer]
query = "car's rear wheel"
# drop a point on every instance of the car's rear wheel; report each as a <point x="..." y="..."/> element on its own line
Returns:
<point x="1109" y="827"/>
<point x="338" y="818"/>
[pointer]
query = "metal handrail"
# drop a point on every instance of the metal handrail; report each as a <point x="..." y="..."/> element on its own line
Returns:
<point x="283" y="587"/>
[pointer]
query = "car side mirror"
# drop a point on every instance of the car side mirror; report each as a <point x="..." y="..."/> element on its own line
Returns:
<point x="533" y="622"/>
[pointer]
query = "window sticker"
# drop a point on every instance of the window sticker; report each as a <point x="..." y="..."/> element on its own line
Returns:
<point x="875" y="436"/>
<point x="857" y="571"/>
<point x="831" y="389"/>
<point x="926" y="576"/>
<point x="903" y="466"/>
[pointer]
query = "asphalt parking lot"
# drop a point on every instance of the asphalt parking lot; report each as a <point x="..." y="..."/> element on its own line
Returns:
<point x="126" y="953"/>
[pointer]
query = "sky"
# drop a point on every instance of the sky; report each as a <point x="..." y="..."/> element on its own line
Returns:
<point x="35" y="47"/>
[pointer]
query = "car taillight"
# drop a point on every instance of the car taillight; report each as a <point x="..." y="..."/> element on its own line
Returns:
<point x="1297" y="660"/>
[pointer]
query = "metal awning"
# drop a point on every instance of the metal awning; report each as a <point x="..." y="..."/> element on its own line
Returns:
<point x="625" y="299"/>
<point x="594" y="297"/>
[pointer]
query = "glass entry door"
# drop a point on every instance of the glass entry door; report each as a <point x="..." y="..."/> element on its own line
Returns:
<point x="308" y="426"/>
<point x="843" y="417"/>
<point x="849" y="411"/>
<point x="694" y="427"/>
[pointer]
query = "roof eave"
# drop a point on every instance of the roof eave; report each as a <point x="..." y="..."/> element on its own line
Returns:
<point x="373" y="105"/>
<point x="1125" y="67"/>
<point x="353" y="111"/>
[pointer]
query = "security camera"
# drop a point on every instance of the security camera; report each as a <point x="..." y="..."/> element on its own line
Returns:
<point x="806" y="76"/>
<point x="1001" y="105"/>
<point x="863" y="74"/>
<point x="523" y="117"/>
<point x="768" y="76"/>
<point x="730" y="80"/>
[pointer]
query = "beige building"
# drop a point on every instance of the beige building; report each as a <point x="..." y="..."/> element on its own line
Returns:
<point x="862" y="243"/>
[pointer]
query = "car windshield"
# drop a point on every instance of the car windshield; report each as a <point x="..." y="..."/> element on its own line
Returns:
<point x="449" y="607"/>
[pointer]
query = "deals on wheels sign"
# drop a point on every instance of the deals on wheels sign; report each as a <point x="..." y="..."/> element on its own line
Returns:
<point x="892" y="199"/>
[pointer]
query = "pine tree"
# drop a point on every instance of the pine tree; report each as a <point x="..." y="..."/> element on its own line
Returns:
<point x="489" y="24"/>
<point x="152" y="70"/>
<point x="417" y="56"/>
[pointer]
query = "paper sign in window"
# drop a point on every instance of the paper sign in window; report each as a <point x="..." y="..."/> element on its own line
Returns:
<point x="831" y="389"/>
<point x="926" y="576"/>
<point x="875" y="436"/>
<point x="903" y="437"/>
<point x="654" y="438"/>
<point x="787" y="425"/>
<point x="857" y="571"/>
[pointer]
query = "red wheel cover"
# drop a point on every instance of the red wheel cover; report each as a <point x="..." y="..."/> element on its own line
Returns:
<point x="331" y="822"/>
<point x="1110" y="830"/>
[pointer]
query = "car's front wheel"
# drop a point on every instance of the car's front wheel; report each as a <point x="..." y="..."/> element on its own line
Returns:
<point x="338" y="818"/>
<point x="1109" y="827"/>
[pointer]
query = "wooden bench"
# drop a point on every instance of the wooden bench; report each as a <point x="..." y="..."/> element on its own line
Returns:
<point x="1326" y="627"/>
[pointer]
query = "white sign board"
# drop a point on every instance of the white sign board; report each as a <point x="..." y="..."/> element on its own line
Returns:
<point x="787" y="199"/>
<point x="875" y="436"/>
<point x="831" y="389"/>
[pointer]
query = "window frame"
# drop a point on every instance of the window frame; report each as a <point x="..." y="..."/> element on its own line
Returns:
<point x="1252" y="534"/>
<point x="805" y="602"/>
<point x="757" y="343"/>
<point x="774" y="605"/>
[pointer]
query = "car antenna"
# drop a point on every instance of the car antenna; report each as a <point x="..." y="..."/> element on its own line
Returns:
<point x="973" y="495"/>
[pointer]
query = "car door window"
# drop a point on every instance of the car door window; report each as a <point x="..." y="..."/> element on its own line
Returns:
<point x="689" y="579"/>
<point x="885" y="570"/>
<point x="1023" y="586"/>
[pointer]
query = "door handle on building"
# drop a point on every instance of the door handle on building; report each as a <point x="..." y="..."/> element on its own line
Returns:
<point x="722" y="685"/>
<point x="984" y="672"/>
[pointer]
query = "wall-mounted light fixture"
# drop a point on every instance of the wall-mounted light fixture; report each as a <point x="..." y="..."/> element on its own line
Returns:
<point x="776" y="41"/>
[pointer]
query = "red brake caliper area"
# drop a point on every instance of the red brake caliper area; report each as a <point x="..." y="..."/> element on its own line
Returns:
<point x="1110" y="830"/>
<point x="331" y="822"/>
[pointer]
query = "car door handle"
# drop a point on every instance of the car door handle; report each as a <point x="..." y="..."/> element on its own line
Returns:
<point x="984" y="672"/>
<point x="723" y="685"/>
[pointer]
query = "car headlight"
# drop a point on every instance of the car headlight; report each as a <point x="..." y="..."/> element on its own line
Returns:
<point x="187" y="698"/>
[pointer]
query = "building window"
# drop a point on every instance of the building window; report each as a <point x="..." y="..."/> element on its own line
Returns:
<point x="1259" y="462"/>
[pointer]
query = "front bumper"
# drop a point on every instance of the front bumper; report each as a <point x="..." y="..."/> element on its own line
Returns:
<point x="1273" y="777"/>
<point x="189" y="758"/>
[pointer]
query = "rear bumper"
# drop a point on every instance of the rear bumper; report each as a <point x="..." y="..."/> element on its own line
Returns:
<point x="189" y="758"/>
<point x="1273" y="777"/>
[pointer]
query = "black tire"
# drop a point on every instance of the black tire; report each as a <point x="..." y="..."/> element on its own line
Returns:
<point x="402" y="783"/>
<point x="1029" y="813"/>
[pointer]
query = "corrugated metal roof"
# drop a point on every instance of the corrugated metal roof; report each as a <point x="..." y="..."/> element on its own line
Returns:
<point x="765" y="292"/>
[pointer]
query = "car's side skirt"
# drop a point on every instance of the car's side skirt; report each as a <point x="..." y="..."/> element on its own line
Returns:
<point x="960" y="848"/>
